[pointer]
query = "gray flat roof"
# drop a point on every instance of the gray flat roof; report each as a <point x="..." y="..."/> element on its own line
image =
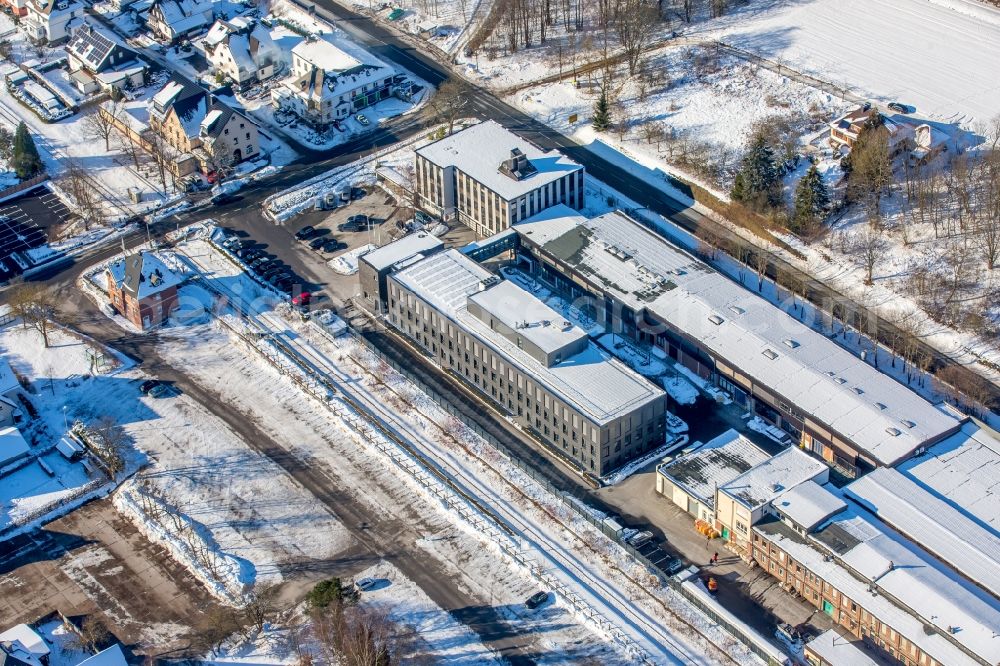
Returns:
<point x="600" y="386"/>
<point x="808" y="504"/>
<point x="837" y="389"/>
<point x="530" y="317"/>
<point x="401" y="249"/>
<point x="762" y="483"/>
<point x="478" y="151"/>
<point x="712" y="465"/>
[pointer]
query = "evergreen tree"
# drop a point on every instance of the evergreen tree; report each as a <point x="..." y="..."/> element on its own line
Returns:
<point x="811" y="201"/>
<point x="25" y="161"/>
<point x="602" y="113"/>
<point x="757" y="181"/>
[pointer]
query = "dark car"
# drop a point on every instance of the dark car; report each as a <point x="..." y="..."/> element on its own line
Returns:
<point x="250" y="255"/>
<point x="356" y="223"/>
<point x="272" y="270"/>
<point x="317" y="242"/>
<point x="148" y="385"/>
<point x="305" y="232"/>
<point x="223" y="199"/>
<point x="536" y="600"/>
<point x="260" y="262"/>
<point x="287" y="285"/>
<point x="279" y="276"/>
<point x="901" y="108"/>
<point x="332" y="245"/>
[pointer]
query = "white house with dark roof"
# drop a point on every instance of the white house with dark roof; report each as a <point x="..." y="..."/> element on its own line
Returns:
<point x="491" y="178"/>
<point x="331" y="81"/>
<point x="97" y="61"/>
<point x="10" y="410"/>
<point x="171" y="20"/>
<point x="242" y="49"/>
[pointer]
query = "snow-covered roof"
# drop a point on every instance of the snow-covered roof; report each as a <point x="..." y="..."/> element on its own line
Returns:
<point x="29" y="640"/>
<point x="168" y="93"/>
<point x="963" y="470"/>
<point x="817" y="377"/>
<point x="966" y="544"/>
<point x="916" y="598"/>
<point x="210" y="118"/>
<point x="402" y="249"/>
<point x="808" y="504"/>
<point x="713" y="464"/>
<point x="12" y="445"/>
<point x="842" y="650"/>
<point x="762" y="483"/>
<point x="594" y="382"/>
<point x="479" y="151"/>
<point x="142" y="275"/>
<point x="112" y="656"/>
<point x="324" y="55"/>
<point x="533" y="319"/>
<point x="8" y="381"/>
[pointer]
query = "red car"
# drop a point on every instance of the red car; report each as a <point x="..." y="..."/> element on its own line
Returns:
<point x="302" y="299"/>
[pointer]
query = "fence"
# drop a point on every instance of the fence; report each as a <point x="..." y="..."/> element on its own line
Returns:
<point x="577" y="501"/>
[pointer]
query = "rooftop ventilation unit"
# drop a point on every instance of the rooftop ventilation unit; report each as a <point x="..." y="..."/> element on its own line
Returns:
<point x="908" y="423"/>
<point x="881" y="406"/>
<point x="770" y="353"/>
<point x="735" y="309"/>
<point x="895" y="432"/>
<point x="517" y="166"/>
<point x="840" y="380"/>
<point x="791" y="344"/>
<point x="716" y="319"/>
<point x="858" y="390"/>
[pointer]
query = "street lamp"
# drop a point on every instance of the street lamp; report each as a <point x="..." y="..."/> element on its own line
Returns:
<point x="65" y="421"/>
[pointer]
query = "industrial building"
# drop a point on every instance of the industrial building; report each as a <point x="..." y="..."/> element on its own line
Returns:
<point x="634" y="282"/>
<point x="553" y="381"/>
<point x="490" y="178"/>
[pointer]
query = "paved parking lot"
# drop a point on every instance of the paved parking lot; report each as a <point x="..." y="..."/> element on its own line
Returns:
<point x="25" y="224"/>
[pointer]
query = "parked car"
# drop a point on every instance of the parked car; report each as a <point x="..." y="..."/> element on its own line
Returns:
<point x="148" y="385"/>
<point x="305" y="232"/>
<point x="639" y="539"/>
<point x="332" y="245"/>
<point x="286" y="286"/>
<point x="260" y="262"/>
<point x="317" y="243"/>
<point x="361" y="118"/>
<point x="901" y="108"/>
<point x="159" y="391"/>
<point x="251" y="254"/>
<point x="366" y="584"/>
<point x="674" y="566"/>
<point x="358" y="192"/>
<point x="356" y="223"/>
<point x="536" y="600"/>
<point x="278" y="277"/>
<point x="272" y="270"/>
<point x="223" y="199"/>
<point x="302" y="299"/>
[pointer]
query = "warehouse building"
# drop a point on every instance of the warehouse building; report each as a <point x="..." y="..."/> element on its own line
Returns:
<point x="490" y="178"/>
<point x="582" y="403"/>
<point x="636" y="283"/>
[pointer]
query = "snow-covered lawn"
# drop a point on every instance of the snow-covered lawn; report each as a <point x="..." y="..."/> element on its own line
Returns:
<point x="443" y="23"/>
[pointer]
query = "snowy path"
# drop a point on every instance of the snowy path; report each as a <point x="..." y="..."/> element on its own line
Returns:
<point x="607" y="608"/>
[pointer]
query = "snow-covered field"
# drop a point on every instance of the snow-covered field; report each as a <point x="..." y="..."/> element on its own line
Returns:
<point x="940" y="56"/>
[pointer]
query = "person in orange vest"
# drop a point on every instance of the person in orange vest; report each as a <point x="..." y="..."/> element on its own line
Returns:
<point x="713" y="586"/>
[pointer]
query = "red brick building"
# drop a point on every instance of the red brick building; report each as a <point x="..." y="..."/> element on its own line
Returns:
<point x="142" y="289"/>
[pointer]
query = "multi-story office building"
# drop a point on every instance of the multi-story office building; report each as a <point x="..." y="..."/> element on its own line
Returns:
<point x="634" y="282"/>
<point x="582" y="403"/>
<point x="490" y="178"/>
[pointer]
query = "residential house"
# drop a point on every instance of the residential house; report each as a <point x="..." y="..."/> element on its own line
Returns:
<point x="204" y="132"/>
<point x="10" y="411"/>
<point x="51" y="21"/>
<point x="327" y="83"/>
<point x="15" y="7"/>
<point x="242" y="50"/>
<point x="97" y="61"/>
<point x="23" y="646"/>
<point x="844" y="130"/>
<point x="171" y="20"/>
<point x="142" y="289"/>
<point x="928" y="143"/>
<point x="490" y="178"/>
<point x="12" y="446"/>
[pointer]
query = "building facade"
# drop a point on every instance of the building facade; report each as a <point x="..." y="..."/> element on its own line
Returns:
<point x="375" y="267"/>
<point x="582" y="404"/>
<point x="142" y="289"/>
<point x="633" y="282"/>
<point x="488" y="178"/>
<point x="242" y="50"/>
<point x="51" y="21"/>
<point x="171" y="20"/>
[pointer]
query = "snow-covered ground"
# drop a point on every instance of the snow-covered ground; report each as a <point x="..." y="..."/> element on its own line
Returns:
<point x="63" y="390"/>
<point x="443" y="23"/>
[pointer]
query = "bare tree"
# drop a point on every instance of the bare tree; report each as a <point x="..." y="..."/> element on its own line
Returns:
<point x="450" y="102"/>
<point x="102" y="121"/>
<point x="163" y="155"/>
<point x="218" y="624"/>
<point x="260" y="606"/>
<point x="871" y="170"/>
<point x="636" y="24"/>
<point x="113" y="441"/>
<point x="93" y="633"/>
<point x="34" y="305"/>
<point x="79" y="186"/>
<point x="872" y="249"/>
